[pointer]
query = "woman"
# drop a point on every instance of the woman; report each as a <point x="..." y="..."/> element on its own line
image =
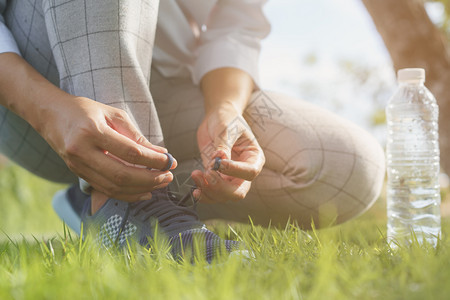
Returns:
<point x="123" y="94"/>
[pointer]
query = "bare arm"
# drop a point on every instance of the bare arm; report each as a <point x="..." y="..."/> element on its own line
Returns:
<point x="227" y="92"/>
<point x="81" y="131"/>
<point x="24" y="91"/>
<point x="227" y="87"/>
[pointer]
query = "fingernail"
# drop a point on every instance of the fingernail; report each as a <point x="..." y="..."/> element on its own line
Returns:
<point x="196" y="193"/>
<point x="167" y="178"/>
<point x="164" y="178"/>
<point x="145" y="197"/>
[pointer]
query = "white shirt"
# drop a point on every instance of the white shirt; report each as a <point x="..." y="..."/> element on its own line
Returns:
<point x="194" y="37"/>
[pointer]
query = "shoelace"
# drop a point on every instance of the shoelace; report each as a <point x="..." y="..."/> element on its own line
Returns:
<point x="171" y="215"/>
<point x="183" y="200"/>
<point x="180" y="223"/>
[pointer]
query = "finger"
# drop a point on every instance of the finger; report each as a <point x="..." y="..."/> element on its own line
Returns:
<point x="111" y="188"/>
<point x="144" y="142"/>
<point x="198" y="178"/>
<point x="103" y="185"/>
<point x="204" y="198"/>
<point x="120" y="121"/>
<point x="200" y="182"/>
<point x="213" y="179"/>
<point x="108" y="188"/>
<point x="131" y="152"/>
<point x="234" y="190"/>
<point x="170" y="163"/>
<point x="197" y="194"/>
<point x="212" y="188"/>
<point x="247" y="170"/>
<point x="122" y="175"/>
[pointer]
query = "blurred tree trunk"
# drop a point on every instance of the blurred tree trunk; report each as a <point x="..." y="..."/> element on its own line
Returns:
<point x="414" y="41"/>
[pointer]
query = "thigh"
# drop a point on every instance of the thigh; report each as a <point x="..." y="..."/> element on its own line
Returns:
<point x="319" y="166"/>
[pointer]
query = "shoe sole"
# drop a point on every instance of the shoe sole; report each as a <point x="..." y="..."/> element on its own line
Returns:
<point x="65" y="211"/>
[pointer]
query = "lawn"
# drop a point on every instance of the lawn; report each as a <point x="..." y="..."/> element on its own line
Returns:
<point x="39" y="259"/>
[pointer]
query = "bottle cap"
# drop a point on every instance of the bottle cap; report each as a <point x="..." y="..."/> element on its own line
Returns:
<point x="411" y="75"/>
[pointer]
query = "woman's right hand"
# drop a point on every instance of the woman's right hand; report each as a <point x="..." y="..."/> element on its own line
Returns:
<point x="90" y="136"/>
<point x="83" y="132"/>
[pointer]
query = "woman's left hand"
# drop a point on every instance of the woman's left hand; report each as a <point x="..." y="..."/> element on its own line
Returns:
<point x="225" y="134"/>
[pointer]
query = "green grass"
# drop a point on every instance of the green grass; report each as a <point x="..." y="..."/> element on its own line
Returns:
<point x="351" y="261"/>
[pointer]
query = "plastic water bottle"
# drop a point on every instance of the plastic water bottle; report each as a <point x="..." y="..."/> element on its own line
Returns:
<point x="413" y="191"/>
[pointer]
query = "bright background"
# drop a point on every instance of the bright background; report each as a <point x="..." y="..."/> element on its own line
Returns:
<point x="328" y="52"/>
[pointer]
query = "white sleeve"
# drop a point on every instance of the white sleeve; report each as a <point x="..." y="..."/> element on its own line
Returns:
<point x="233" y="37"/>
<point x="7" y="42"/>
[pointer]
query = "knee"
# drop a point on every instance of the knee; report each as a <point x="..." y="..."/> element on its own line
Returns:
<point x="320" y="166"/>
<point x="373" y="169"/>
<point x="337" y="182"/>
<point x="358" y="183"/>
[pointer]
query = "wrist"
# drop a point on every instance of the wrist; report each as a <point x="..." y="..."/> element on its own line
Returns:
<point x="26" y="92"/>
<point x="224" y="108"/>
<point x="52" y="106"/>
<point x="226" y="88"/>
<point x="44" y="106"/>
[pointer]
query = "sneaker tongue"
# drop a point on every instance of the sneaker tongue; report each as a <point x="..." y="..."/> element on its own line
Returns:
<point x="171" y="219"/>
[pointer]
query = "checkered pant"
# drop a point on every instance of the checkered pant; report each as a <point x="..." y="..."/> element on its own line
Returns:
<point x="318" y="165"/>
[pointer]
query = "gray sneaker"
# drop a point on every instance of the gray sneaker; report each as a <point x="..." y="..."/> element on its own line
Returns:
<point x="68" y="205"/>
<point x="118" y="221"/>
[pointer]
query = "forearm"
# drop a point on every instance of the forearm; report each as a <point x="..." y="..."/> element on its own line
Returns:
<point x="81" y="131"/>
<point x="227" y="92"/>
<point x="227" y="87"/>
<point x="26" y="92"/>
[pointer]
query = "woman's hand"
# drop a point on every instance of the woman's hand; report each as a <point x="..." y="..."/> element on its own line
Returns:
<point x="224" y="133"/>
<point x="90" y="137"/>
<point x="100" y="144"/>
